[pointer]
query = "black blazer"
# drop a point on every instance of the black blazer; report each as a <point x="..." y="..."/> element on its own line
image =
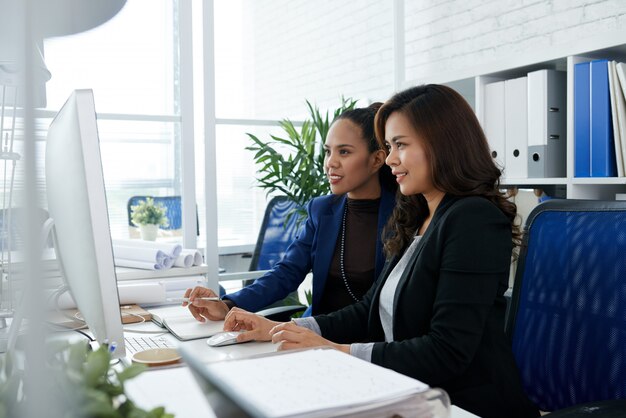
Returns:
<point x="448" y="320"/>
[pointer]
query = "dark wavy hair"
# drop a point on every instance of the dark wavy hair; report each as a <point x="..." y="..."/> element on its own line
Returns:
<point x="364" y="118"/>
<point x="458" y="153"/>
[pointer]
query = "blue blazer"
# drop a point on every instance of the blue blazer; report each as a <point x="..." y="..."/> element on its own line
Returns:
<point x="313" y="249"/>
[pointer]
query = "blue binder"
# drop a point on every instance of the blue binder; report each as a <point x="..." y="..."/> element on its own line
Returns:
<point x="582" y="143"/>
<point x="603" y="162"/>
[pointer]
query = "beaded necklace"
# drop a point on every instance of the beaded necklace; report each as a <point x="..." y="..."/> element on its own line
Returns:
<point x="341" y="254"/>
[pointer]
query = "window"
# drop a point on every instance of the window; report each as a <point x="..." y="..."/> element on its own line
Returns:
<point x="131" y="64"/>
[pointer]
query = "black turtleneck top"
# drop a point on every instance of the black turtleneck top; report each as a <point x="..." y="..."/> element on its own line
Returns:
<point x="361" y="228"/>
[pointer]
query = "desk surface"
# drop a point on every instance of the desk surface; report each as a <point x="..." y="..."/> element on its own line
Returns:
<point x="176" y="389"/>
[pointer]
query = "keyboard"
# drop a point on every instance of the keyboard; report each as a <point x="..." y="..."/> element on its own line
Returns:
<point x="135" y="344"/>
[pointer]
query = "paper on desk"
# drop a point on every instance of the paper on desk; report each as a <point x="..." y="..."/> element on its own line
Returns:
<point x="183" y="325"/>
<point x="188" y="328"/>
<point x="173" y="388"/>
<point x="319" y="382"/>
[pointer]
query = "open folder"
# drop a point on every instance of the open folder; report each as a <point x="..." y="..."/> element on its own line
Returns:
<point x="319" y="382"/>
<point x="182" y="325"/>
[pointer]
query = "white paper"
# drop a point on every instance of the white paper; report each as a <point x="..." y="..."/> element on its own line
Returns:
<point x="136" y="264"/>
<point x="312" y="380"/>
<point x="139" y="253"/>
<point x="172" y="250"/>
<point x="129" y="293"/>
<point x="188" y="328"/>
<point x="183" y="325"/>
<point x="184" y="260"/>
<point x="174" y="388"/>
<point x="197" y="257"/>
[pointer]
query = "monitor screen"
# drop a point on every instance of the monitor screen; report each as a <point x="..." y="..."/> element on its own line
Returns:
<point x="78" y="207"/>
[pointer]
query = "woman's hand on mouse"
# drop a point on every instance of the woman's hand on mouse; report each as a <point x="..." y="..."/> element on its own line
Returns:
<point x="256" y="327"/>
<point x="288" y="336"/>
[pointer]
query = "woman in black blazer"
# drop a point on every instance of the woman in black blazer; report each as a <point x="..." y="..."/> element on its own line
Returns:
<point x="437" y="311"/>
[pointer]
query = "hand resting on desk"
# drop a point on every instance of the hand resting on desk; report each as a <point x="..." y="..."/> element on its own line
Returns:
<point x="202" y="310"/>
<point x="290" y="336"/>
<point x="287" y="335"/>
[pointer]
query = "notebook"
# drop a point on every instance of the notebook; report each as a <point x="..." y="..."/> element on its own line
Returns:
<point x="181" y="324"/>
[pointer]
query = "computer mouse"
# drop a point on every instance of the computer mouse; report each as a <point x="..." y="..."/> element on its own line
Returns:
<point x="223" y="338"/>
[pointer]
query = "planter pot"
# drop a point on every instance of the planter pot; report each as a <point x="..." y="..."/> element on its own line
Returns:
<point x="149" y="232"/>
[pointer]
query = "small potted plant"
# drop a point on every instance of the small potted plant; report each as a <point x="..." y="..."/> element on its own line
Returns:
<point x="148" y="216"/>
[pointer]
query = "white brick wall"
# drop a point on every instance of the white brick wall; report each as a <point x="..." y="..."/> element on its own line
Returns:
<point x="321" y="49"/>
<point x="483" y="31"/>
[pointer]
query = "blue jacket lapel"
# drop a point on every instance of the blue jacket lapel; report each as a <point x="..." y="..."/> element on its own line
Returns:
<point x="329" y="229"/>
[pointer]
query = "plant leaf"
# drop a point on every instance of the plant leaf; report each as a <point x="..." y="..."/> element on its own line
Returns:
<point x="131" y="371"/>
<point x="97" y="366"/>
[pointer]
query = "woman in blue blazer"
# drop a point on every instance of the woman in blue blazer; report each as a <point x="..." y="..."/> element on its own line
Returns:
<point x="341" y="239"/>
<point x="437" y="312"/>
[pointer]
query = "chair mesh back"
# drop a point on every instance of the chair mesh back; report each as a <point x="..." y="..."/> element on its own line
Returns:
<point x="569" y="330"/>
<point x="275" y="234"/>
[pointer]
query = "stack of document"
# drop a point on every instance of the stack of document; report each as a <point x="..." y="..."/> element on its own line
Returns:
<point x="316" y="383"/>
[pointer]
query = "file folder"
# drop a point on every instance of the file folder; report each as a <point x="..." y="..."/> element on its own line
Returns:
<point x="602" y="149"/>
<point x="547" y="123"/>
<point x="494" y="125"/>
<point x="615" y="92"/>
<point x="582" y="143"/>
<point x="620" y="87"/>
<point x="516" y="127"/>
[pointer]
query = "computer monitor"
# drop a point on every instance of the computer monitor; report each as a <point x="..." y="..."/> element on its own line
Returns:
<point x="77" y="204"/>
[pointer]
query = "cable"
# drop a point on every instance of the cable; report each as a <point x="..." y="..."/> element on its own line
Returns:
<point x="86" y="335"/>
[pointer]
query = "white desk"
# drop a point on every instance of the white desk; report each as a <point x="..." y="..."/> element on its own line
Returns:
<point x="176" y="389"/>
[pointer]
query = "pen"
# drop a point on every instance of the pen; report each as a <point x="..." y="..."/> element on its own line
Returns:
<point x="181" y="300"/>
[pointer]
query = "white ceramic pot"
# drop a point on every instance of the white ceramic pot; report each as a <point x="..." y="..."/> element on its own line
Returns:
<point x="149" y="232"/>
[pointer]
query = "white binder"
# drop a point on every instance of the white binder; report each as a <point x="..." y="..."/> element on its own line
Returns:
<point x="615" y="94"/>
<point x="620" y="96"/>
<point x="516" y="128"/>
<point x="494" y="121"/>
<point x="547" y="123"/>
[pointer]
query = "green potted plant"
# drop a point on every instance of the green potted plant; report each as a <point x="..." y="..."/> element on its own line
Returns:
<point x="293" y="164"/>
<point x="148" y="216"/>
<point x="83" y="382"/>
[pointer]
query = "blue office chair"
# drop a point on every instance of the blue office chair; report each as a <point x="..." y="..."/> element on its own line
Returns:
<point x="278" y="230"/>
<point x="173" y="213"/>
<point x="567" y="322"/>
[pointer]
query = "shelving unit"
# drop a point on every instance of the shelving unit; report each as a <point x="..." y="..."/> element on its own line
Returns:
<point x="470" y="83"/>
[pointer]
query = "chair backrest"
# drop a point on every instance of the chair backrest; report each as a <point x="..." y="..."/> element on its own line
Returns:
<point x="173" y="212"/>
<point x="276" y="233"/>
<point x="568" y="316"/>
